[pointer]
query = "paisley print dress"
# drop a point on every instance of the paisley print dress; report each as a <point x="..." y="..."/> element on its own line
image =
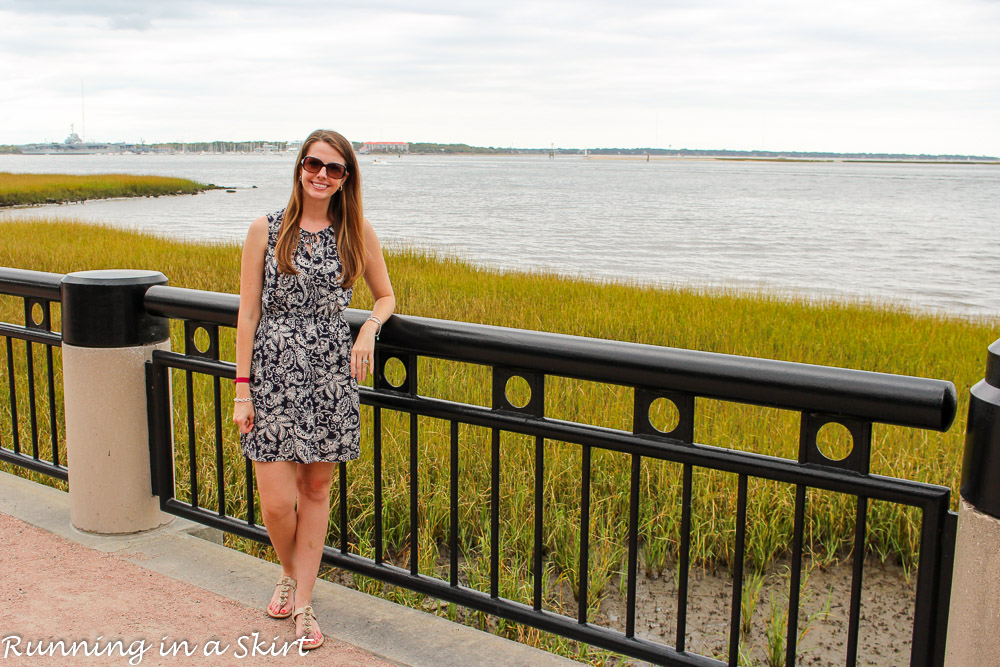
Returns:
<point x="304" y="398"/>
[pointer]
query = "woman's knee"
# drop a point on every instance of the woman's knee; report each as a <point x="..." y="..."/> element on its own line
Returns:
<point x="314" y="487"/>
<point x="277" y="506"/>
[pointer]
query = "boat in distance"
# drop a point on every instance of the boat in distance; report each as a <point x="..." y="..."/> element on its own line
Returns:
<point x="72" y="145"/>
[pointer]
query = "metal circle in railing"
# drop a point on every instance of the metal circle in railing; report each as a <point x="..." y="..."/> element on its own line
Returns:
<point x="37" y="315"/>
<point x="664" y="415"/>
<point x="518" y="391"/>
<point x="394" y="372"/>
<point x="202" y="340"/>
<point x="834" y="441"/>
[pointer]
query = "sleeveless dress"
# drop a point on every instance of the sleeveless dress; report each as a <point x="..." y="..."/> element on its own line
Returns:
<point x="305" y="402"/>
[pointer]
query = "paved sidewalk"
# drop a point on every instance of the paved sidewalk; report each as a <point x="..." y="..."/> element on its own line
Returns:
<point x="167" y="592"/>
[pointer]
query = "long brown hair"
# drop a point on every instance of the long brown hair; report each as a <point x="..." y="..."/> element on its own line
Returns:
<point x="345" y="213"/>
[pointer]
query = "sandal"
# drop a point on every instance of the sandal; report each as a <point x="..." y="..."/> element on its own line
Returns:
<point x="309" y="624"/>
<point x="285" y="587"/>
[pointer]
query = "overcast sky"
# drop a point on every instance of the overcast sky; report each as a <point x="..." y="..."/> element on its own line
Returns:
<point x="908" y="76"/>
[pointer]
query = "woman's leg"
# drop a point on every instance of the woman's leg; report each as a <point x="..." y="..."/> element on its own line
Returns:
<point x="277" y="488"/>
<point x="313" y="482"/>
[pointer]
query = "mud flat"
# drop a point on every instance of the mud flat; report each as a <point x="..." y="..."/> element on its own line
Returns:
<point x="885" y="628"/>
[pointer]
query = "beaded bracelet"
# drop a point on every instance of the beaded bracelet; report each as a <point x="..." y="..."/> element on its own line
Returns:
<point x="242" y="400"/>
<point x="378" y="323"/>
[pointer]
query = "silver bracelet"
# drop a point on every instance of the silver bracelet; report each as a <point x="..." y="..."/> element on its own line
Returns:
<point x="242" y="400"/>
<point x="378" y="323"/>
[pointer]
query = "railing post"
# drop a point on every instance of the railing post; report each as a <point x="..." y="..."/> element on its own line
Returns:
<point x="107" y="338"/>
<point x="974" y="619"/>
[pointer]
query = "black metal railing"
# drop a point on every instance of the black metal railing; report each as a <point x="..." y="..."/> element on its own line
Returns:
<point x="821" y="395"/>
<point x="35" y="417"/>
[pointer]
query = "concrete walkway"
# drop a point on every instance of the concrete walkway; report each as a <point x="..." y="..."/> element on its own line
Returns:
<point x="168" y="592"/>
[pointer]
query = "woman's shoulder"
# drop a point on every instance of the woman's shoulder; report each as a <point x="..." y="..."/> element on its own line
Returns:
<point x="264" y="230"/>
<point x="275" y="219"/>
<point x="272" y="223"/>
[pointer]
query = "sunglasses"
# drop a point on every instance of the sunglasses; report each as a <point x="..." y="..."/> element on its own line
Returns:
<point x="333" y="169"/>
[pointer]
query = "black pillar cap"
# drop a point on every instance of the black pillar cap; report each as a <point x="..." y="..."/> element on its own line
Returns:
<point x="105" y="309"/>
<point x="981" y="462"/>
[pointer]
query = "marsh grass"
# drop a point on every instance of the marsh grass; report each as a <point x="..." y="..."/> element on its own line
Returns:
<point x="877" y="337"/>
<point x="29" y="189"/>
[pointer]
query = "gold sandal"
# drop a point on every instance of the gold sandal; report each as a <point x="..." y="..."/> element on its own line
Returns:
<point x="308" y="624"/>
<point x="285" y="588"/>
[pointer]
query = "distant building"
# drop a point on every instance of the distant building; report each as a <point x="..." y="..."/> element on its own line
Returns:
<point x="385" y="147"/>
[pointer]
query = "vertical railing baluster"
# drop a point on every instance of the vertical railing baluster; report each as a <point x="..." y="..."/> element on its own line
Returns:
<point x="251" y="504"/>
<point x="633" y="545"/>
<point x="220" y="464"/>
<point x="53" y="424"/>
<point x="453" y="507"/>
<point x="342" y="496"/>
<point x="860" y="526"/>
<point x="12" y="386"/>
<point x="795" y="579"/>
<point x="163" y="466"/>
<point x="377" y="472"/>
<point x="414" y="537"/>
<point x="32" y="410"/>
<point x="684" y="558"/>
<point x="738" y="562"/>
<point x="538" y="563"/>
<point x="584" y="533"/>
<point x="192" y="446"/>
<point x="928" y="642"/>
<point x="495" y="515"/>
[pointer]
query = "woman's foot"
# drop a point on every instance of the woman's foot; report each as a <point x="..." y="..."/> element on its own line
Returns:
<point x="281" y="602"/>
<point x="307" y="629"/>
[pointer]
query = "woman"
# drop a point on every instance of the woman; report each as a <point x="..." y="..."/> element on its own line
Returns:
<point x="297" y="372"/>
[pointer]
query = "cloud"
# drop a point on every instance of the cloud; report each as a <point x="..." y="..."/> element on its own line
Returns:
<point x="588" y="73"/>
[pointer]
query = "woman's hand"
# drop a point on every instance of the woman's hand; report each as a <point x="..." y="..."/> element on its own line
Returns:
<point x="363" y="352"/>
<point x="243" y="415"/>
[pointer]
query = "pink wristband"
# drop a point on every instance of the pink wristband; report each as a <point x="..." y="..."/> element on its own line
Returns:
<point x="238" y="380"/>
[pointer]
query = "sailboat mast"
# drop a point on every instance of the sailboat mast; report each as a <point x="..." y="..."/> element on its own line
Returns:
<point x="83" y="114"/>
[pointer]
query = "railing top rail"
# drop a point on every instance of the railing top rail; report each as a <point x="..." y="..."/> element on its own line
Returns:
<point x="865" y="395"/>
<point x="192" y="304"/>
<point x="23" y="282"/>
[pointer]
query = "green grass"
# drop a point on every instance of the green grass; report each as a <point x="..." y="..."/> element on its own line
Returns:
<point x="28" y="189"/>
<point x="877" y="337"/>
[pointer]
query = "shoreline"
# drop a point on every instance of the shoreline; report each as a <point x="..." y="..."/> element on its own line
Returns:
<point x="824" y="160"/>
<point x="19" y="189"/>
<point x="750" y="290"/>
<point x="747" y="291"/>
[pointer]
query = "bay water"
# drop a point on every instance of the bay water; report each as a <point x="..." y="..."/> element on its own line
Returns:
<point x="923" y="236"/>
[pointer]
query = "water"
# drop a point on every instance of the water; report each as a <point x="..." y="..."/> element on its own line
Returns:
<point x="924" y="236"/>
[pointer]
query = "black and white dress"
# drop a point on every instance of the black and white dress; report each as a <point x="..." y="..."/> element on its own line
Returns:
<point x="304" y="398"/>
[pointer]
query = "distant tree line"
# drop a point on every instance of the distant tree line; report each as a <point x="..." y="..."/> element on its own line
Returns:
<point x="421" y="147"/>
<point x="466" y="149"/>
<point x="811" y="155"/>
<point x="686" y="152"/>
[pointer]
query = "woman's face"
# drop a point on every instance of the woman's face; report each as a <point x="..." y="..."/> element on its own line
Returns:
<point x="321" y="185"/>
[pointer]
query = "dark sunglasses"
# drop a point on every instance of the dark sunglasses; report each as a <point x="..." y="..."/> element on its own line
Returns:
<point x="333" y="169"/>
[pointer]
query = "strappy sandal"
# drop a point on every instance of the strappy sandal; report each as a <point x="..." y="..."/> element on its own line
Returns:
<point x="285" y="588"/>
<point x="308" y="624"/>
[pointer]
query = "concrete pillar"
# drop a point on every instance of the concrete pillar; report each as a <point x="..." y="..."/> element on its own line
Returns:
<point x="974" y="614"/>
<point x="107" y="338"/>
